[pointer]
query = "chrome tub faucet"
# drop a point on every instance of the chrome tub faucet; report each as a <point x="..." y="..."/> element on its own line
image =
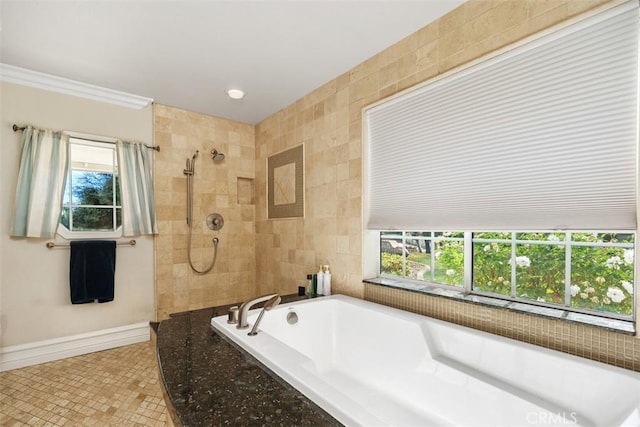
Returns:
<point x="273" y="300"/>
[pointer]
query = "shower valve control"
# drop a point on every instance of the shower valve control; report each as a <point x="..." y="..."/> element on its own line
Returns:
<point x="215" y="221"/>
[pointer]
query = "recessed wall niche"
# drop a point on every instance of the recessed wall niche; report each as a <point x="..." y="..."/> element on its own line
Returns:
<point x="245" y="191"/>
<point x="285" y="184"/>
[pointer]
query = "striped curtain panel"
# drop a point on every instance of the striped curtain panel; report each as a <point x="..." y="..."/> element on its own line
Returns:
<point x="135" y="170"/>
<point x="41" y="181"/>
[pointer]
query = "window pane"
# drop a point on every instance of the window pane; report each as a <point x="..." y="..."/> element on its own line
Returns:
<point x="91" y="157"/>
<point x="92" y="188"/>
<point x="418" y="246"/>
<point x="391" y="253"/>
<point x="419" y="262"/>
<point x="66" y="198"/>
<point x="540" y="272"/>
<point x="602" y="279"/>
<point x="491" y="268"/>
<point x="92" y="219"/>
<point x="117" y="185"/>
<point x="423" y="234"/>
<point x="538" y="236"/>
<point x="454" y="234"/>
<point x="449" y="261"/>
<point x="64" y="218"/>
<point x="492" y="235"/>
<point x="603" y="237"/>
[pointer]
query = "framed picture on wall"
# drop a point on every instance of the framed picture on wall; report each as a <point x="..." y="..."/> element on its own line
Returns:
<point x="285" y="184"/>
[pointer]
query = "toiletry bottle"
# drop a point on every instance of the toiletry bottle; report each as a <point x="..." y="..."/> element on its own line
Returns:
<point x="309" y="285"/>
<point x="314" y="286"/>
<point x="320" y="281"/>
<point x="327" y="280"/>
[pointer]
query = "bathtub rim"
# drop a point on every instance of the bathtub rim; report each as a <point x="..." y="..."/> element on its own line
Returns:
<point x="342" y="415"/>
<point x="279" y="373"/>
<point x="413" y="317"/>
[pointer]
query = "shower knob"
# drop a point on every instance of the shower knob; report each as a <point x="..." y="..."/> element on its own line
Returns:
<point x="215" y="221"/>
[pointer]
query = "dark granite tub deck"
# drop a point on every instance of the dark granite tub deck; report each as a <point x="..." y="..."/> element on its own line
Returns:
<point x="209" y="381"/>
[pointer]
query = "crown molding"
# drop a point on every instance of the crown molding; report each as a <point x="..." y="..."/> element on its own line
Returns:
<point x="22" y="76"/>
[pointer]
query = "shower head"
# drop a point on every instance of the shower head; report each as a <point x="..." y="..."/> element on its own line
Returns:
<point x="217" y="157"/>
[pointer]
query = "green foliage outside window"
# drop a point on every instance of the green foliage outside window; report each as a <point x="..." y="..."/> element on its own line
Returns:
<point x="601" y="274"/>
<point x="391" y="264"/>
<point x="91" y="195"/>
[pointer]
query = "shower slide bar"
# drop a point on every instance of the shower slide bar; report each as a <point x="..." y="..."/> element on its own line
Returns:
<point x="51" y="245"/>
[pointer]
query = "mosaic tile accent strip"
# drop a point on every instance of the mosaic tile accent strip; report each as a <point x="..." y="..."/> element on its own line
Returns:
<point x="118" y="387"/>
<point x="581" y="340"/>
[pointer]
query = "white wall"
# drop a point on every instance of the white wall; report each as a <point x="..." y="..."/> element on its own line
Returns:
<point x="34" y="281"/>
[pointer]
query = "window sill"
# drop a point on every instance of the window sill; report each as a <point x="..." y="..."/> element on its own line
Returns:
<point x="614" y="325"/>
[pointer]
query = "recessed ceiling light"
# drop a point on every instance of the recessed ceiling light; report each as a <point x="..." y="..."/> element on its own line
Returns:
<point x="235" y="93"/>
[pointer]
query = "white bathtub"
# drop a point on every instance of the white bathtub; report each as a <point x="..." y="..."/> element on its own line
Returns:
<point x="371" y="365"/>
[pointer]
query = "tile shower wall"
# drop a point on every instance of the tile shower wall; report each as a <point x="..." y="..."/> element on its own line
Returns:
<point x="328" y="122"/>
<point x="226" y="188"/>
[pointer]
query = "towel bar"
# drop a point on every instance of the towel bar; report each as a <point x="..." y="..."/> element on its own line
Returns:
<point x="55" y="245"/>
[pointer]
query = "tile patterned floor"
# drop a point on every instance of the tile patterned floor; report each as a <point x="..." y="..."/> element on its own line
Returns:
<point x="118" y="387"/>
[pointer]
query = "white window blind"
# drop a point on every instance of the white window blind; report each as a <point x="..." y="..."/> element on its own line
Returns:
<point x="543" y="136"/>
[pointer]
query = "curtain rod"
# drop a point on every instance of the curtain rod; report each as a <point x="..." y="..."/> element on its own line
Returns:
<point x="17" y="128"/>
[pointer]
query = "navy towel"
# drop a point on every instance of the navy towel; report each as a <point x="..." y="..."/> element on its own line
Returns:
<point x="92" y="270"/>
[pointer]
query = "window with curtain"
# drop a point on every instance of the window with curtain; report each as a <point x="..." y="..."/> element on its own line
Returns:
<point x="82" y="186"/>
<point x="536" y="143"/>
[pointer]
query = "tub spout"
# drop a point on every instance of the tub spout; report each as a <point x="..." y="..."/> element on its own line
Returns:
<point x="246" y="306"/>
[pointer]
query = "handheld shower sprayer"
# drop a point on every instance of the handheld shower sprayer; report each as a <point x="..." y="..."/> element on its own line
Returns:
<point x="214" y="221"/>
<point x="191" y="164"/>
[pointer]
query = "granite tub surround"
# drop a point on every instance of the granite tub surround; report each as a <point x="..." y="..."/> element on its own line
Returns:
<point x="209" y="381"/>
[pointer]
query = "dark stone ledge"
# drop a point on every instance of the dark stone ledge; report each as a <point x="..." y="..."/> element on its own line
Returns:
<point x="210" y="381"/>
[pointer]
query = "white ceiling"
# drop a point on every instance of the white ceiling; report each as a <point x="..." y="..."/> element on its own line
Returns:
<point x="186" y="53"/>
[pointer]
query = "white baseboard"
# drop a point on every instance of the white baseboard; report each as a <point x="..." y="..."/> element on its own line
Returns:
<point x="19" y="356"/>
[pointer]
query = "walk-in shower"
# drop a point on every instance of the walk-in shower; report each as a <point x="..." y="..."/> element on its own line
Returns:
<point x="214" y="220"/>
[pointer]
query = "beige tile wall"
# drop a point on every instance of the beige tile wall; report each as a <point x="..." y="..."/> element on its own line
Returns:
<point x="328" y="122"/>
<point x="226" y="188"/>
<point x="275" y="255"/>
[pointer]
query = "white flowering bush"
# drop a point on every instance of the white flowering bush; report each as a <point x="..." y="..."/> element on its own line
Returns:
<point x="616" y="295"/>
<point x="607" y="272"/>
<point x="450" y="260"/>
<point x="601" y="276"/>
